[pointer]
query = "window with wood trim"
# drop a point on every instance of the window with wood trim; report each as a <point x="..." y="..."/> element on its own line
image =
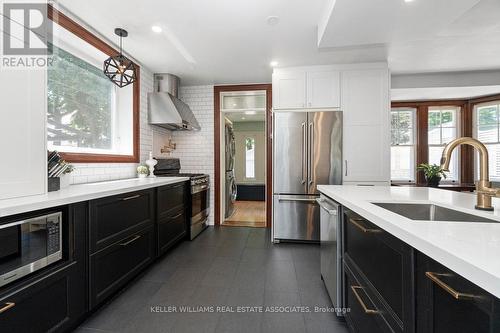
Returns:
<point x="89" y="119"/>
<point x="487" y="130"/>
<point x="403" y="143"/>
<point x="443" y="127"/>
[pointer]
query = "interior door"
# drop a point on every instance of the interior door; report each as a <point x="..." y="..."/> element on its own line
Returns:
<point x="290" y="152"/>
<point x="325" y="149"/>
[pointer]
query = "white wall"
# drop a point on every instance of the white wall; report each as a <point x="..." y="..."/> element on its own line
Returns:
<point x="196" y="148"/>
<point x="254" y="130"/>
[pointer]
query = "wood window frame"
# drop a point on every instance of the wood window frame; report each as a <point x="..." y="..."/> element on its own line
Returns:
<point x="269" y="145"/>
<point x="88" y="37"/>
<point x="465" y="128"/>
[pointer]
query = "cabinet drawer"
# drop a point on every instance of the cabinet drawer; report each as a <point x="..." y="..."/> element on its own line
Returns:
<point x="112" y="267"/>
<point x="114" y="218"/>
<point x="52" y="303"/>
<point x="383" y="260"/>
<point x="447" y="302"/>
<point x="171" y="229"/>
<point x="364" y="316"/>
<point x="171" y="197"/>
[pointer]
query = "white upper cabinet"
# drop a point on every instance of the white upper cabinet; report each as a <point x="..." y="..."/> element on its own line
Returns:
<point x="289" y="89"/>
<point x="306" y="88"/>
<point x="23" y="108"/>
<point x="366" y="137"/>
<point x="323" y="89"/>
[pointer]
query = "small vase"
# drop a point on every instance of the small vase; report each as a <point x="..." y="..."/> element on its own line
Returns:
<point x="151" y="162"/>
<point x="142" y="175"/>
<point x="433" y="181"/>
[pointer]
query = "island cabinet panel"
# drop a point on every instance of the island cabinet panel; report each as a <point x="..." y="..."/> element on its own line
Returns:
<point x="114" y="218"/>
<point x="385" y="264"/>
<point x="446" y="302"/>
<point x="112" y="267"/>
<point x="366" y="312"/>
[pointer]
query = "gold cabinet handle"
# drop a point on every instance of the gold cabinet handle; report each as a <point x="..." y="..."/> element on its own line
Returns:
<point x="434" y="277"/>
<point x="176" y="216"/>
<point x="360" y="301"/>
<point x="136" y="237"/>
<point x="362" y="228"/>
<point x="7" y="306"/>
<point x="131" y="197"/>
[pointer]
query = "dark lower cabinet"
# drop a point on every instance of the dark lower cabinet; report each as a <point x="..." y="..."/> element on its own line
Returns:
<point x="448" y="303"/>
<point x="112" y="267"/>
<point x="113" y="218"/>
<point x="385" y="263"/>
<point x="363" y="315"/>
<point x="171" y="228"/>
<point x="53" y="299"/>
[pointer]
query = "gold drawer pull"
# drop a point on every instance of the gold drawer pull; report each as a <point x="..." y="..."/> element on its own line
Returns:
<point x="363" y="305"/>
<point x="7" y="306"/>
<point x="176" y="216"/>
<point x="362" y="228"/>
<point x="456" y="294"/>
<point x="434" y="277"/>
<point x="136" y="237"/>
<point x="131" y="197"/>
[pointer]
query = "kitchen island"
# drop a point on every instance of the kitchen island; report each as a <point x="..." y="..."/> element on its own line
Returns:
<point x="413" y="275"/>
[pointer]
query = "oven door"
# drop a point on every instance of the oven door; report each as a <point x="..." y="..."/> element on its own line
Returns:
<point x="200" y="203"/>
<point x="29" y="245"/>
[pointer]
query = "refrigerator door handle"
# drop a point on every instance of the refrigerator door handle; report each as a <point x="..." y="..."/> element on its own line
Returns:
<point x="311" y="153"/>
<point x="282" y="198"/>
<point x="304" y="152"/>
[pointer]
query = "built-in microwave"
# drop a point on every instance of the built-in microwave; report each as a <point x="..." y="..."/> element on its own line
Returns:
<point x="29" y="245"/>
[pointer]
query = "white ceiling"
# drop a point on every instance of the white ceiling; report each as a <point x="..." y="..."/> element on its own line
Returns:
<point x="419" y="36"/>
<point x="435" y="93"/>
<point x="242" y="117"/>
<point x="230" y="41"/>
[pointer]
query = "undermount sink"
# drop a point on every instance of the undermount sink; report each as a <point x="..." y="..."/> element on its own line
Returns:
<point x="431" y="212"/>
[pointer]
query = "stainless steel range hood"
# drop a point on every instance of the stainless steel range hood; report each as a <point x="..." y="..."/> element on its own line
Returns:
<point x="165" y="109"/>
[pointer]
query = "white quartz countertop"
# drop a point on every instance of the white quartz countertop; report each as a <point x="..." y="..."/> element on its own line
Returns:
<point x="471" y="249"/>
<point x="82" y="192"/>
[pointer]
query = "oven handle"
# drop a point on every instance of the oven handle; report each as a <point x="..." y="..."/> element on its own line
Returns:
<point x="38" y="218"/>
<point x="200" y="189"/>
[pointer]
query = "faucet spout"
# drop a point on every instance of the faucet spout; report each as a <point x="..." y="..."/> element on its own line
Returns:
<point x="484" y="189"/>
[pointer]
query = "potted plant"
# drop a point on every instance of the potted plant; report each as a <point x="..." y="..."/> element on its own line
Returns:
<point x="142" y="171"/>
<point x="433" y="173"/>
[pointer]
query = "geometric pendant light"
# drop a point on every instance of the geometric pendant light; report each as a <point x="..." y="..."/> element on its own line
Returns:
<point x="118" y="68"/>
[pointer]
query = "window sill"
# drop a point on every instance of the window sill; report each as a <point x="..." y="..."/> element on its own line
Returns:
<point x="99" y="158"/>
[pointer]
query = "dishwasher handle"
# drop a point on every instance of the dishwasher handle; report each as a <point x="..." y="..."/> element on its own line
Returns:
<point x="321" y="203"/>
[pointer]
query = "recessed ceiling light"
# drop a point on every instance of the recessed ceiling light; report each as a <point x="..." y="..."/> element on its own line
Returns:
<point x="250" y="112"/>
<point x="272" y="20"/>
<point x="273" y="63"/>
<point x="156" y="28"/>
<point x="408" y="0"/>
<point x="243" y="118"/>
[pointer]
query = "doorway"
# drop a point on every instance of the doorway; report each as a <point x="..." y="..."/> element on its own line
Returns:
<point x="243" y="166"/>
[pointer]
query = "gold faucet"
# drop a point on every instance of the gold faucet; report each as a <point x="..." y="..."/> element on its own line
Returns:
<point x="484" y="189"/>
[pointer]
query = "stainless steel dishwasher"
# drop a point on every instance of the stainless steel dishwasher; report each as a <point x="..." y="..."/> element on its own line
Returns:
<point x="331" y="249"/>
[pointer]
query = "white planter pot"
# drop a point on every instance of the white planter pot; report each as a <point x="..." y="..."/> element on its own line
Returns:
<point x="141" y="175"/>
<point x="65" y="180"/>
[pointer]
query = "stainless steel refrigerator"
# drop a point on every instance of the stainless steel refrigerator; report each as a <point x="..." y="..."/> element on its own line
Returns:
<point x="307" y="151"/>
<point x="230" y="181"/>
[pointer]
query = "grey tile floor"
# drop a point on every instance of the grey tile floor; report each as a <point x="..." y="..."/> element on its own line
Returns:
<point x="226" y="267"/>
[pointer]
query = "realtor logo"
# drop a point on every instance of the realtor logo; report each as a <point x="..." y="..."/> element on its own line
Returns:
<point x="27" y="29"/>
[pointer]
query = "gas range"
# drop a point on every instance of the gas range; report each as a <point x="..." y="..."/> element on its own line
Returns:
<point x="200" y="193"/>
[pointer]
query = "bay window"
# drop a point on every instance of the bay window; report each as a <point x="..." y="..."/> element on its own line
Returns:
<point x="486" y="130"/>
<point x="403" y="144"/>
<point x="443" y="128"/>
